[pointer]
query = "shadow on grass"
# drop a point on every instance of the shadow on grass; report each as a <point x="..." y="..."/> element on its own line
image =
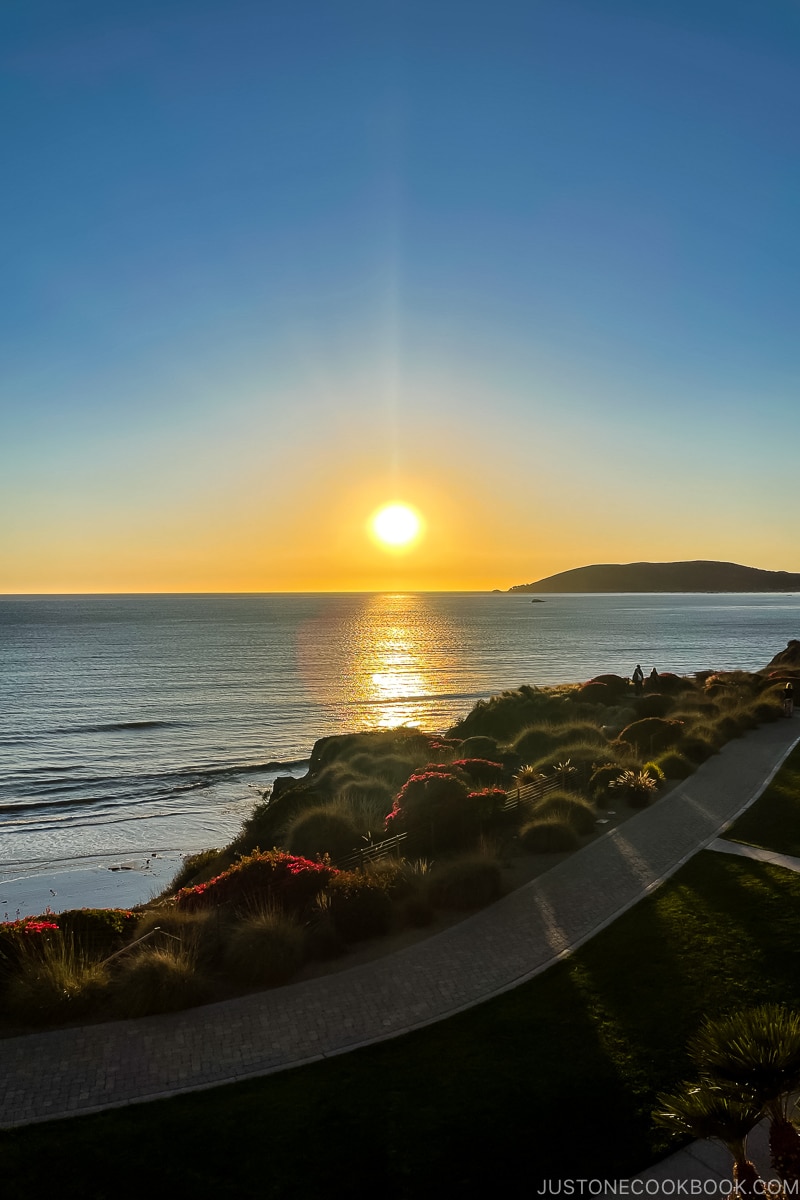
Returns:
<point x="556" y="1079"/>
<point x="773" y="822"/>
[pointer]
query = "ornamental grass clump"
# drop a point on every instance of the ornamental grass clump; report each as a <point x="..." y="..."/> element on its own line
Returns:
<point x="465" y="883"/>
<point x="262" y="877"/>
<point x="322" y="830"/>
<point x="202" y="933"/>
<point x="601" y="779"/>
<point x="569" y="808"/>
<point x="652" y="734"/>
<point x="53" y="981"/>
<point x="548" y="835"/>
<point x="156" y="979"/>
<point x="676" y="765"/>
<point x="266" y="947"/>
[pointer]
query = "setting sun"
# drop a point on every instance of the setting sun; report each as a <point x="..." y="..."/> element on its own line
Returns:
<point x="396" y="525"/>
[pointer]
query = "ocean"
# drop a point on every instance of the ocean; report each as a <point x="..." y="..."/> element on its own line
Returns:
<point x="136" y="729"/>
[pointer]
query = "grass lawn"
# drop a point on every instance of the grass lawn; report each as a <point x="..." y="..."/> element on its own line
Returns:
<point x="555" y="1079"/>
<point x="773" y="822"/>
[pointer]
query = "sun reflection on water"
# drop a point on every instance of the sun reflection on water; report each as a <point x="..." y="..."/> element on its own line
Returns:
<point x="387" y="660"/>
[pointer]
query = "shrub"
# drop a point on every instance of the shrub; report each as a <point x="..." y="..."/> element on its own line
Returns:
<point x="696" y="749"/>
<point x="569" y="808"/>
<point x="437" y="809"/>
<point x="595" y="693"/>
<point x="616" y="685"/>
<point x="202" y="933"/>
<point x="479" y="747"/>
<point x="503" y="716"/>
<point x="54" y="981"/>
<point x="157" y="979"/>
<point x="266" y="947"/>
<point x="601" y="778"/>
<point x="575" y="762"/>
<point x="652" y="734"/>
<point x="654" y="771"/>
<point x="548" y="835"/>
<point x="465" y="883"/>
<point x="669" y="684"/>
<point x="97" y="931"/>
<point x="266" y="824"/>
<point x="323" y="941"/>
<point x="655" y="704"/>
<point x="403" y="741"/>
<point x="769" y="708"/>
<point x="390" y="769"/>
<point x="18" y="936"/>
<point x="359" y="905"/>
<point x="272" y="877"/>
<point x="319" y="831"/>
<point x="192" y="869"/>
<point x="540" y="741"/>
<point x="479" y="770"/>
<point x="676" y="765"/>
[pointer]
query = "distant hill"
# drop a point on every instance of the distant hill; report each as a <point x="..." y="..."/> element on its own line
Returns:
<point x="665" y="577"/>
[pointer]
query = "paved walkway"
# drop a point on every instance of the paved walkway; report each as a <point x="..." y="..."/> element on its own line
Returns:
<point x="76" y="1071"/>
<point x="744" y="851"/>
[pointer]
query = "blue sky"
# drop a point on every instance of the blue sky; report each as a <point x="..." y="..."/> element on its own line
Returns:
<point x="266" y="264"/>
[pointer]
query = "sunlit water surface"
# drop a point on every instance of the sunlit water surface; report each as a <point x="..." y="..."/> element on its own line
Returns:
<point x="134" y="724"/>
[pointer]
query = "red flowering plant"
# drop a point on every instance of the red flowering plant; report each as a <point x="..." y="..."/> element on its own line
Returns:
<point x="480" y="770"/>
<point x="26" y="931"/>
<point x="271" y="876"/>
<point x="438" y="810"/>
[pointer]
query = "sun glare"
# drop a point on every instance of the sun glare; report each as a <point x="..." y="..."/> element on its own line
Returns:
<point x="396" y="525"/>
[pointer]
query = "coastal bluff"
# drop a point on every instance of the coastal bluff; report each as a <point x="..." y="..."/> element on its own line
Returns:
<point x="698" y="576"/>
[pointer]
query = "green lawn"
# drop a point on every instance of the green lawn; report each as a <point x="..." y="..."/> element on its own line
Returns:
<point x="773" y="822"/>
<point x="555" y="1079"/>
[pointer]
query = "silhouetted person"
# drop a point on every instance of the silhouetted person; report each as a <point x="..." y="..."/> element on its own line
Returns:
<point x="638" y="680"/>
<point x="653" y="676"/>
<point x="788" y="700"/>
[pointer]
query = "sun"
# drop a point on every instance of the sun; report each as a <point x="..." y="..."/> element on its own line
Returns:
<point x="396" y="525"/>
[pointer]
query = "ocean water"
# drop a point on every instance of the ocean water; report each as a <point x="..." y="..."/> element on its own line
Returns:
<point x="141" y="725"/>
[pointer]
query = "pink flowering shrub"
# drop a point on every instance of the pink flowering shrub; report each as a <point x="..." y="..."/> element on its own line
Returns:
<point x="271" y="876"/>
<point x="14" y="935"/>
<point x="480" y="770"/>
<point x="437" y="809"/>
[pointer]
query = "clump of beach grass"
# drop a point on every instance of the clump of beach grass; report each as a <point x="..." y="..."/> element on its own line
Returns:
<point x="549" y="835"/>
<point x="467" y="882"/>
<point x="266" y="947"/>
<point x="568" y="807"/>
<point x="156" y="979"/>
<point x="55" y="981"/>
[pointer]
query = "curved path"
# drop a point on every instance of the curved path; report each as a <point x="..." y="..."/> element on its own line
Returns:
<point x="76" y="1071"/>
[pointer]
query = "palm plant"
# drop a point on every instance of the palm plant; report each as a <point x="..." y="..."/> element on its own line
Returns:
<point x="707" y="1111"/>
<point x="758" y="1052"/>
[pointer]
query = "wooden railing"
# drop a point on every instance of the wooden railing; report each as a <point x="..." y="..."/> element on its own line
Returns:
<point x="531" y="793"/>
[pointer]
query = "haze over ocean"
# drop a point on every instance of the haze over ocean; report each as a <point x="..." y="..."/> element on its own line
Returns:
<point x="134" y="724"/>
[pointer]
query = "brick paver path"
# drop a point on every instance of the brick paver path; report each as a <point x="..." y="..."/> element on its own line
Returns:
<point x="72" y="1071"/>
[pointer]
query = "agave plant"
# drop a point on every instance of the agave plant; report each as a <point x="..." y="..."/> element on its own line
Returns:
<point x="706" y="1110"/>
<point x="758" y="1052"/>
